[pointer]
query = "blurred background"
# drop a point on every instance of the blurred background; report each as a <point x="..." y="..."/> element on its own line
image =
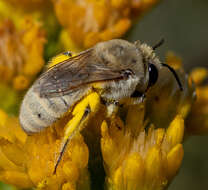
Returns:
<point x="184" y="26"/>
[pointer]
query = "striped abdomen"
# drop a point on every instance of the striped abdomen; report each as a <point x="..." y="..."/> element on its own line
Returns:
<point x="37" y="113"/>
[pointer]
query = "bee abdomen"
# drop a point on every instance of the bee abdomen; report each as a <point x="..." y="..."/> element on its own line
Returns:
<point x="37" y="113"/>
<point x="34" y="113"/>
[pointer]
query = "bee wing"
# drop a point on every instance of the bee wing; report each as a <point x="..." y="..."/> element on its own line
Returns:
<point x="71" y="74"/>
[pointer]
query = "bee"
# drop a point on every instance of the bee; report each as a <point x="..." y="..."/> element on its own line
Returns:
<point x="117" y="70"/>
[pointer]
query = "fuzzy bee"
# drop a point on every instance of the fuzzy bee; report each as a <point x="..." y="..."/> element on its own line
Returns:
<point x="116" y="70"/>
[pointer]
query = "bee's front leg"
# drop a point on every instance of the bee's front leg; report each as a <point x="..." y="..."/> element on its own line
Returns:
<point x="112" y="106"/>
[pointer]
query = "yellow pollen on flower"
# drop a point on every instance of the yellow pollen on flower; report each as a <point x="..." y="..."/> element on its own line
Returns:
<point x="57" y="59"/>
<point x="92" y="99"/>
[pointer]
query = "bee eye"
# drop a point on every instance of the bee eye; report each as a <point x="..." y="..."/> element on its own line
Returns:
<point x="153" y="75"/>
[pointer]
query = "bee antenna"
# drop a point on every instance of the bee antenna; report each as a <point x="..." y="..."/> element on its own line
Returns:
<point x="175" y="75"/>
<point x="158" y="44"/>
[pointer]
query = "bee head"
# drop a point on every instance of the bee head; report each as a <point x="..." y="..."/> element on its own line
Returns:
<point x="153" y="63"/>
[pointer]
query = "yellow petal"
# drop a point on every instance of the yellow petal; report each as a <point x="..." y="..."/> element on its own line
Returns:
<point x="107" y="145"/>
<point x="160" y="133"/>
<point x="133" y="171"/>
<point x="18" y="179"/>
<point x="199" y="74"/>
<point x="10" y="129"/>
<point x="155" y="164"/>
<point x="69" y="186"/>
<point x="79" y="152"/>
<point x="6" y="164"/>
<point x="117" y="179"/>
<point x="71" y="171"/>
<point x="174" y="158"/>
<point x="13" y="152"/>
<point x="175" y="131"/>
<point x="197" y="121"/>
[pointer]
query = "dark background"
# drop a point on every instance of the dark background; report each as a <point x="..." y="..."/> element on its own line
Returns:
<point x="184" y="25"/>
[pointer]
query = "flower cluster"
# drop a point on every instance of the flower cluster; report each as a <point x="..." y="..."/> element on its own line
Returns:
<point x="197" y="121"/>
<point x="136" y="151"/>
<point x="147" y="161"/>
<point x="139" y="147"/>
<point x="98" y="20"/>
<point x="21" y="52"/>
<point x="28" y="161"/>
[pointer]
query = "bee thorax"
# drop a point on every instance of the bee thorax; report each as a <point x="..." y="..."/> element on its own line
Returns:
<point x="117" y="90"/>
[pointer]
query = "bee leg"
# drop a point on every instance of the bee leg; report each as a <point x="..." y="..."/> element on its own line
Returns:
<point x="81" y="113"/>
<point x="71" y="134"/>
<point x="112" y="106"/>
<point x="112" y="110"/>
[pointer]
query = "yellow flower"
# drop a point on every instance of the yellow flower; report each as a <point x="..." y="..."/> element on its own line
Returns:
<point x="88" y="21"/>
<point x="139" y="150"/>
<point x="197" y="120"/>
<point x="140" y="147"/>
<point x="21" y="52"/>
<point x="147" y="160"/>
<point x="135" y="153"/>
<point x="28" y="161"/>
<point x="163" y="107"/>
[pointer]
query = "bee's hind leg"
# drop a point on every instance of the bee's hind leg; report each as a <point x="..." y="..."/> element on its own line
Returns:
<point x="81" y="114"/>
